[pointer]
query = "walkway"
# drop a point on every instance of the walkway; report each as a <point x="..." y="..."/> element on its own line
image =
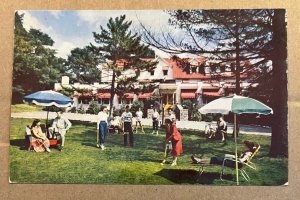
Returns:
<point x="244" y="129"/>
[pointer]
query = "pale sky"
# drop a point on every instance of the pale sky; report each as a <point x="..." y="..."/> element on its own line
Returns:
<point x="71" y="29"/>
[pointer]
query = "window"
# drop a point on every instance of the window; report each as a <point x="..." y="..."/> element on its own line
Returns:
<point x="152" y="73"/>
<point x="165" y="72"/>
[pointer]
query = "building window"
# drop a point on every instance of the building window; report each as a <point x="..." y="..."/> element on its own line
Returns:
<point x="165" y="72"/>
<point x="152" y="73"/>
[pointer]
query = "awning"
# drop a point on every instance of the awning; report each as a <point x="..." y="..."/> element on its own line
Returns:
<point x="103" y="95"/>
<point x="188" y="95"/>
<point x="128" y="95"/>
<point x="145" y="95"/>
<point x="211" y="94"/>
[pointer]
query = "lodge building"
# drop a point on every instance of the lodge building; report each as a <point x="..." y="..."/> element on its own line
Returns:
<point x="201" y="81"/>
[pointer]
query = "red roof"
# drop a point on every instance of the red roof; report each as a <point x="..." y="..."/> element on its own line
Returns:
<point x="211" y="94"/>
<point x="188" y="95"/>
<point x="179" y="73"/>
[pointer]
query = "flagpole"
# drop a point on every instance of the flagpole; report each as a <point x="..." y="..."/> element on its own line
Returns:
<point x="236" y="158"/>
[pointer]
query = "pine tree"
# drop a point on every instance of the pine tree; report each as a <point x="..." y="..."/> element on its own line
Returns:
<point x="119" y="46"/>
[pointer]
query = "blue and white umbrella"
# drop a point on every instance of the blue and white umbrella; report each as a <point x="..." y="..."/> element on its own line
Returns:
<point x="48" y="98"/>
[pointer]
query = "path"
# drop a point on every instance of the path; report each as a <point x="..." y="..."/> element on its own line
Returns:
<point x="244" y="129"/>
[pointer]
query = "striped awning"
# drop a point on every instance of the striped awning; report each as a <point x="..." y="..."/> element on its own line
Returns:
<point x="188" y="95"/>
<point x="103" y="95"/>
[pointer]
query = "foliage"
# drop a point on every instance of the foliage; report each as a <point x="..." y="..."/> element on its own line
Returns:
<point x="123" y="51"/>
<point x="34" y="61"/>
<point x="80" y="162"/>
<point x="135" y="107"/>
<point x="93" y="107"/>
<point x="83" y="64"/>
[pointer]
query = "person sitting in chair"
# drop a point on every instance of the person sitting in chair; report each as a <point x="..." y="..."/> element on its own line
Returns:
<point x="39" y="142"/>
<point x="249" y="148"/>
<point x="221" y="128"/>
<point x="60" y="126"/>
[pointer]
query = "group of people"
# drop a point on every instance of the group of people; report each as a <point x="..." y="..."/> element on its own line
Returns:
<point x="38" y="140"/>
<point x="173" y="140"/>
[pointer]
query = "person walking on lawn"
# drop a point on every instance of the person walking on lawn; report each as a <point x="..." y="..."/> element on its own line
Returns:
<point x="174" y="137"/>
<point x="127" y="126"/>
<point x="102" y="127"/>
<point x="60" y="126"/>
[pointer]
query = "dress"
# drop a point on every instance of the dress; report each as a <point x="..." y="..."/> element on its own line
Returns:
<point x="176" y="140"/>
<point x="39" y="140"/>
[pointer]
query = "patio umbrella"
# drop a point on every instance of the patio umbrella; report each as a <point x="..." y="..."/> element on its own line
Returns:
<point x="48" y="98"/>
<point x="237" y="105"/>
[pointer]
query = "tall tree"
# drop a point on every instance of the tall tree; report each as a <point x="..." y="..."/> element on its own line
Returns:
<point x="123" y="51"/>
<point x="279" y="141"/>
<point x="35" y="65"/>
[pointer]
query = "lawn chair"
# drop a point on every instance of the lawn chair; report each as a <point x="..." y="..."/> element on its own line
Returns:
<point x="28" y="138"/>
<point x="247" y="163"/>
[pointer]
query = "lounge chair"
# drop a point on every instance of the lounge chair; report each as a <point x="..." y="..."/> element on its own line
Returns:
<point x="243" y="165"/>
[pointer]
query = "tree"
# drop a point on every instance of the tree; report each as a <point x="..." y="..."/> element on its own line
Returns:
<point x="35" y="65"/>
<point x="123" y="51"/>
<point x="279" y="141"/>
<point x="83" y="64"/>
<point x="237" y="37"/>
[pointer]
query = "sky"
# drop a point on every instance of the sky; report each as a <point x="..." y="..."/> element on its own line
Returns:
<point x="71" y="29"/>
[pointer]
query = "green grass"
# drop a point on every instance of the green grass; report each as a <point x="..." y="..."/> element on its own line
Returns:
<point x="82" y="162"/>
<point x="24" y="108"/>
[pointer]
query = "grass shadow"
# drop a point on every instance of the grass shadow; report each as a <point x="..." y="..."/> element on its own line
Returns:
<point x="21" y="143"/>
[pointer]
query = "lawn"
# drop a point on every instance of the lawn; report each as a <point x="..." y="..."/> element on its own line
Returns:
<point x="82" y="162"/>
<point x="24" y="108"/>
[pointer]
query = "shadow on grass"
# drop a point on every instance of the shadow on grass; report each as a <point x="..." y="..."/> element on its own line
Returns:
<point x="21" y="143"/>
<point x="189" y="176"/>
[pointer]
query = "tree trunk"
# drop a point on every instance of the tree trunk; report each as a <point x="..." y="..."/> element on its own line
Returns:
<point x="237" y="66"/>
<point x="112" y="92"/>
<point x="279" y="142"/>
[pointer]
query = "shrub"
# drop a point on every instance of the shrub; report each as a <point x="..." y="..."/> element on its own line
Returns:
<point x="93" y="107"/>
<point x="135" y="107"/>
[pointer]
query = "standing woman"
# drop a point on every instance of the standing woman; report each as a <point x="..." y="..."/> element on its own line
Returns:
<point x="40" y="142"/>
<point x="102" y="126"/>
<point x="176" y="140"/>
<point x="155" y="118"/>
<point x="127" y="126"/>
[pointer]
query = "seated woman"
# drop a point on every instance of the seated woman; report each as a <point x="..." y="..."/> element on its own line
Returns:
<point x="39" y="142"/>
<point x="248" y="147"/>
<point x="221" y="128"/>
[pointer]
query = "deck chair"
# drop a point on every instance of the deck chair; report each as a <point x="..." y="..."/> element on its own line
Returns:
<point x="247" y="163"/>
<point x="243" y="165"/>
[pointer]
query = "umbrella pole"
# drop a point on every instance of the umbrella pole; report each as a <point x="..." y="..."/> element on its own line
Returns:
<point x="236" y="158"/>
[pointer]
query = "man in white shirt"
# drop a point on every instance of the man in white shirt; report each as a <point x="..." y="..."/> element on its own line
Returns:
<point x="155" y="118"/>
<point x="139" y="116"/>
<point x="127" y="126"/>
<point x="60" y="126"/>
<point x="102" y="127"/>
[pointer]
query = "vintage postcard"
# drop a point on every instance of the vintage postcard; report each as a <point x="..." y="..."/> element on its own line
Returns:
<point x="150" y="97"/>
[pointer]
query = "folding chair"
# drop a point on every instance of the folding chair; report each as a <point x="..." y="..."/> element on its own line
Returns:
<point x="247" y="163"/>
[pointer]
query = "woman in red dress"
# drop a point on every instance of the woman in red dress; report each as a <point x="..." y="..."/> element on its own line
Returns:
<point x="174" y="137"/>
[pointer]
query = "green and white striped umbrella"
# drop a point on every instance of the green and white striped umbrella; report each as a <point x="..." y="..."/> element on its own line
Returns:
<point x="237" y="105"/>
